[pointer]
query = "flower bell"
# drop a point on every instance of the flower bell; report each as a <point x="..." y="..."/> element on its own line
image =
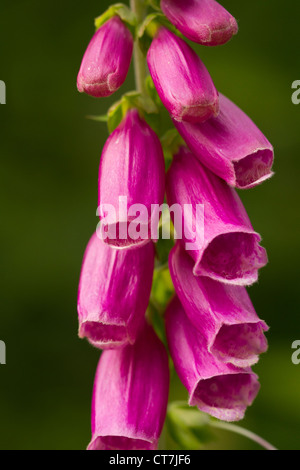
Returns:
<point x="181" y="79"/>
<point x="203" y="21"/>
<point x="222" y="390"/>
<point x="231" y="146"/>
<point x="106" y="61"/>
<point x="229" y="250"/>
<point x="131" y="180"/>
<point x="130" y="395"/>
<point x="113" y="294"/>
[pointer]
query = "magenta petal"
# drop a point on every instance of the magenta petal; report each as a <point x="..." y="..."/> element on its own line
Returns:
<point x="106" y="61"/>
<point x="222" y="390"/>
<point x="231" y="146"/>
<point x="181" y="79"/>
<point x="113" y="293"/>
<point x="223" y="314"/>
<point x="230" y="250"/>
<point x="203" y="21"/>
<point x="131" y="169"/>
<point x="130" y="396"/>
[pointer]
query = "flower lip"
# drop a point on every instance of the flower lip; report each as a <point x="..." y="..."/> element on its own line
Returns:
<point x="253" y="169"/>
<point x="226" y="397"/>
<point x="240" y="344"/>
<point x="233" y="257"/>
<point x="121" y="443"/>
<point x="105" y="336"/>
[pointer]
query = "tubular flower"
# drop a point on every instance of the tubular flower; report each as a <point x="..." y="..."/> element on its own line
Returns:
<point x="223" y="314"/>
<point x="222" y="390"/>
<point x="130" y="395"/>
<point x="131" y="179"/>
<point x="230" y="250"/>
<point x="114" y="291"/>
<point x="107" y="59"/>
<point x="231" y="146"/>
<point x="203" y="21"/>
<point x="181" y="79"/>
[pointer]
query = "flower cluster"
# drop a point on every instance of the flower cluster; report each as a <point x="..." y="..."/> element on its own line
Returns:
<point x="213" y="333"/>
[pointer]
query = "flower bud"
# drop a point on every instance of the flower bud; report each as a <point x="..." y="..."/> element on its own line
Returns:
<point x="181" y="79"/>
<point x="223" y="314"/>
<point x="222" y="390"/>
<point x="231" y="146"/>
<point x="203" y="21"/>
<point x="107" y="59"/>
<point x="131" y="179"/>
<point x="130" y="396"/>
<point x="229" y="250"/>
<point x="114" y="291"/>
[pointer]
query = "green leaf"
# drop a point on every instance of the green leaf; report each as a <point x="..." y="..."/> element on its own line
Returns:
<point x="132" y="99"/>
<point x="103" y="118"/>
<point x="171" y="141"/>
<point x="120" y="10"/>
<point x="188" y="427"/>
<point x="162" y="288"/>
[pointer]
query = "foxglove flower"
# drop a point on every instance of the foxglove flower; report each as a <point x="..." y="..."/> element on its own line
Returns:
<point x="229" y="250"/>
<point x="107" y="59"/>
<point x="114" y="291"/>
<point x="223" y="314"/>
<point x="131" y="179"/>
<point x="203" y="21"/>
<point x="181" y="79"/>
<point x="130" y="396"/>
<point x="222" y="390"/>
<point x="231" y="146"/>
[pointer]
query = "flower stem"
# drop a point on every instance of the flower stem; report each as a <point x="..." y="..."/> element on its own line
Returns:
<point x="243" y="432"/>
<point x="139" y="9"/>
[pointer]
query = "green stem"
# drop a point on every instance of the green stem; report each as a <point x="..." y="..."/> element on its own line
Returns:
<point x="139" y="9"/>
<point x="243" y="432"/>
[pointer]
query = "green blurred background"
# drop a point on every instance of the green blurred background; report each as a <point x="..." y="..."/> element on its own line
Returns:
<point x="49" y="168"/>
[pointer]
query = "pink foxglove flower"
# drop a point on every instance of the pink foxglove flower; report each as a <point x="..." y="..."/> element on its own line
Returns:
<point x="106" y="61"/>
<point x="181" y="79"/>
<point x="222" y="390"/>
<point x="114" y="291"/>
<point x="231" y="146"/>
<point x="130" y="396"/>
<point x="230" y="250"/>
<point x="203" y="21"/>
<point x="223" y="314"/>
<point x="131" y="179"/>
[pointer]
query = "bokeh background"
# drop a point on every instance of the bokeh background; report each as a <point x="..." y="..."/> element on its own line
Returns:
<point x="49" y="167"/>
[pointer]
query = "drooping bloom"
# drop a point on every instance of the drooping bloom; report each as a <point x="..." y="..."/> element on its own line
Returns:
<point x="106" y="61"/>
<point x="231" y="146"/>
<point x="181" y="79"/>
<point x="114" y="291"/>
<point x="131" y="179"/>
<point x="203" y="21"/>
<point x="222" y="390"/>
<point x="223" y="314"/>
<point x="130" y="395"/>
<point x="229" y="249"/>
